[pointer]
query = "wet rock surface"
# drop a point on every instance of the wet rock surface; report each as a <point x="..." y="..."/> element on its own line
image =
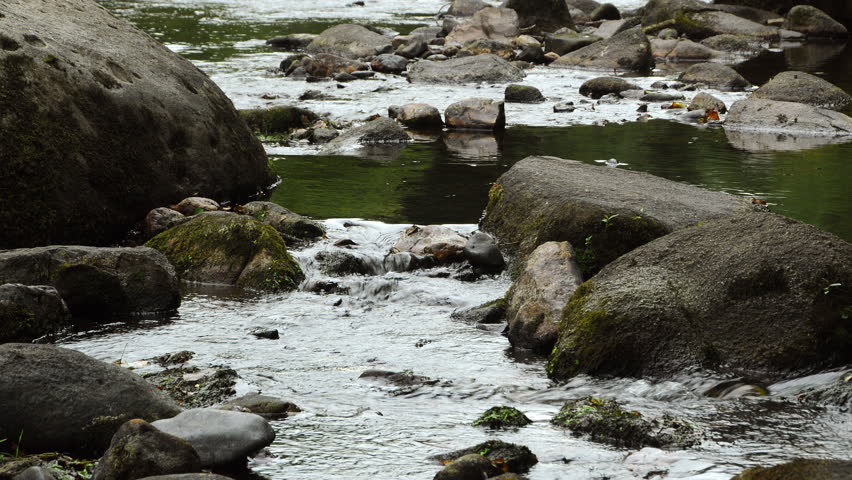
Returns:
<point x="485" y="68"/>
<point x="782" y="318"/>
<point x="194" y="386"/>
<point x="97" y="282"/>
<point x="789" y="117"/>
<point x="292" y="226"/>
<point x="476" y="114"/>
<point x="510" y="457"/>
<point x="715" y="75"/>
<point x="801" y="87"/>
<point x="266" y="406"/>
<point x="73" y="417"/>
<point x="549" y="277"/>
<point x="502" y="417"/>
<point x="628" y="51"/>
<point x="349" y="41"/>
<point x="442" y="242"/>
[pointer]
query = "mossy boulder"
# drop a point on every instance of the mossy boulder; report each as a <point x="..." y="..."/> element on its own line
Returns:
<point x="66" y="401"/>
<point x="97" y="282"/>
<point x="469" y="467"/>
<point x="699" y="20"/>
<point x="490" y="312"/>
<point x="509" y="456"/>
<point x="603" y="212"/>
<point x="715" y="75"/>
<point x="605" y="421"/>
<point x="627" y="51"/>
<point x="196" y="387"/>
<point x="29" y="312"/>
<point x="139" y="450"/>
<point x="97" y="133"/>
<point x="757" y="294"/>
<point x="798" y="469"/>
<point x="502" y="417"/>
<point x="278" y="120"/>
<point x="231" y="249"/>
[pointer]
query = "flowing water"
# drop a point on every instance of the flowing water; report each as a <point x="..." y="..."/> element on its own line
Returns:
<point x="353" y="428"/>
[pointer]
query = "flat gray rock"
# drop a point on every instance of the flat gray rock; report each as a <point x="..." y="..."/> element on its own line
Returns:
<point x="485" y="68"/>
<point x="787" y="117"/>
<point x="220" y="437"/>
<point x="801" y="87"/>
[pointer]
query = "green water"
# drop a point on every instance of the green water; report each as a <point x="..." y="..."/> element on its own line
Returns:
<point x="427" y="183"/>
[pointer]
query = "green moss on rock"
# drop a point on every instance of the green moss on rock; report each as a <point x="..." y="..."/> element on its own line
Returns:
<point x="606" y="422"/>
<point x="502" y="417"/>
<point x="220" y="247"/>
<point x="278" y="120"/>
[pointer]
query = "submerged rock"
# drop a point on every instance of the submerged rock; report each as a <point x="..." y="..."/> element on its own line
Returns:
<point x="835" y="394"/>
<point x="801" y="87"/>
<point x="348" y="40"/>
<point x="278" y="120"/>
<point x="811" y="469"/>
<point x="485" y="68"/>
<point x="603" y="212"/>
<point x="761" y="297"/>
<point x="378" y="131"/>
<point x="97" y="282"/>
<point x="231" y="249"/>
<point x="509" y="456"/>
<point x="268" y="407"/>
<point x="628" y="51"/>
<point x="73" y="417"/>
<point x="220" y="437"/>
<point x="195" y="387"/>
<point x="139" y="450"/>
<point x="87" y="148"/>
<point x="605" y="421"/>
<point x="787" y="117"/>
<point x="502" y="417"/>
<point x="29" y="312"/>
<point x="715" y="75"/>
<point x="340" y="263"/>
<point x="476" y="114"/>
<point x="550" y="276"/>
<point x="293" y="41"/>
<point x="291" y="225"/>
<point x="442" y="242"/>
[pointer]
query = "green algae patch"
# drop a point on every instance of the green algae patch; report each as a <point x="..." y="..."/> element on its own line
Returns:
<point x="231" y="249"/>
<point x="605" y="421"/>
<point x="502" y="417"/>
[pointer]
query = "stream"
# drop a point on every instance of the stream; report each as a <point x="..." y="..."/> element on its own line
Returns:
<point x="353" y="428"/>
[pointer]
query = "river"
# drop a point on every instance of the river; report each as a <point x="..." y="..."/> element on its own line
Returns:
<point x="356" y="429"/>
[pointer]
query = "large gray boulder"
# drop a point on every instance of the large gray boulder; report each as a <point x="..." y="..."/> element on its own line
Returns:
<point x="97" y="281"/>
<point x="628" y="51"/>
<point x="803" y="87"/>
<point x="66" y="401"/>
<point x="600" y="86"/>
<point x="485" y="68"/>
<point x="603" y="212"/>
<point x="786" y="117"/>
<point x="29" y="312"/>
<point x="220" y="437"/>
<point x="417" y="116"/>
<point x="715" y="75"/>
<point x="542" y="15"/>
<point x="499" y="24"/>
<point x="229" y="249"/>
<point x="348" y="40"/>
<point x="466" y="8"/>
<point x="549" y="277"/>
<point x="96" y="133"/>
<point x="756" y="294"/>
<point x="813" y="22"/>
<point x="476" y="114"/>
<point x="139" y="450"/>
<point x="699" y="20"/>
